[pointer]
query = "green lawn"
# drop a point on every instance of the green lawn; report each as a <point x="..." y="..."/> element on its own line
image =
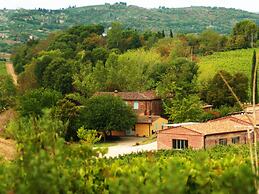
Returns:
<point x="2" y="68"/>
<point x="231" y="61"/>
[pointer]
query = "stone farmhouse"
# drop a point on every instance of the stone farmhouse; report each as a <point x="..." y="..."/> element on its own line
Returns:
<point x="148" y="108"/>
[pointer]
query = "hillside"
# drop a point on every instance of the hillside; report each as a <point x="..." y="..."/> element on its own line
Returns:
<point x="231" y="61"/>
<point x="19" y="25"/>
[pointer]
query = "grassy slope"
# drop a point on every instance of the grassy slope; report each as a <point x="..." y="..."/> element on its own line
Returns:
<point x="2" y="68"/>
<point x="231" y="61"/>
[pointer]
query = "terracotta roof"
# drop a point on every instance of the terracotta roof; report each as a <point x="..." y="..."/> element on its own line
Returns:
<point x="243" y="117"/>
<point x="146" y="120"/>
<point x="222" y="125"/>
<point x="148" y="95"/>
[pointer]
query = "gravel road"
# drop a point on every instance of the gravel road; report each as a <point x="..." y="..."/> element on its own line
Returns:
<point x="117" y="150"/>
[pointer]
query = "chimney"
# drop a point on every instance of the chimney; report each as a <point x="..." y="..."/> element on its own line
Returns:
<point x="115" y="92"/>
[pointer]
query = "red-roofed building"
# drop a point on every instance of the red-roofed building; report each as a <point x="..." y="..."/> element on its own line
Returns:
<point x="143" y="103"/>
<point x="227" y="130"/>
<point x="148" y="107"/>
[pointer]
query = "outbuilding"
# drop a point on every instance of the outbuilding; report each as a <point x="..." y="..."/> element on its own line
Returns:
<point x="223" y="131"/>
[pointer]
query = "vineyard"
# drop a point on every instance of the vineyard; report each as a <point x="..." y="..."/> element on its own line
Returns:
<point x="46" y="164"/>
<point x="231" y="61"/>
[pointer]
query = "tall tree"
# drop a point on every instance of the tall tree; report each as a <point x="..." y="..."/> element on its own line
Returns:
<point x="115" y="35"/>
<point x="247" y="32"/>
<point x="163" y="33"/>
<point x="171" y="34"/>
<point x="106" y="113"/>
<point x="218" y="94"/>
<point x="252" y="79"/>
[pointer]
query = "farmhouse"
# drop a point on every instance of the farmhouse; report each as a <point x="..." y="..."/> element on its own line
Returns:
<point x="148" y="108"/>
<point x="223" y="131"/>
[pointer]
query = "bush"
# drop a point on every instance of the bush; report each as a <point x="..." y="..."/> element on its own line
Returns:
<point x="33" y="102"/>
<point x="7" y="92"/>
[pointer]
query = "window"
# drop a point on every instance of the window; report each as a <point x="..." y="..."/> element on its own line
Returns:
<point x="235" y="140"/>
<point x="135" y="105"/>
<point x="180" y="144"/>
<point x="223" y="141"/>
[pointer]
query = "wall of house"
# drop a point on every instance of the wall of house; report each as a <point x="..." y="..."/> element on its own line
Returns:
<point x="118" y="133"/>
<point x="213" y="140"/>
<point x="147" y="106"/>
<point x="165" y="137"/>
<point x="157" y="125"/>
<point x="142" y="130"/>
<point x="156" y="107"/>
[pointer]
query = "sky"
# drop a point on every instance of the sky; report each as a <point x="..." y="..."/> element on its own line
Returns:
<point x="248" y="5"/>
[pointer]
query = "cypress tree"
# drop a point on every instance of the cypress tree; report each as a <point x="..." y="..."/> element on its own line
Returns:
<point x="163" y="33"/>
<point x="252" y="79"/>
<point x="171" y="34"/>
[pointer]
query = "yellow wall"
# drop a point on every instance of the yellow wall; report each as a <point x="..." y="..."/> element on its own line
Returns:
<point x="157" y="125"/>
<point x="143" y="129"/>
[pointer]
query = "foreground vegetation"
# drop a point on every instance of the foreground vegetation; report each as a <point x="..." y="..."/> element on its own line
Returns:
<point x="46" y="164"/>
<point x="2" y="69"/>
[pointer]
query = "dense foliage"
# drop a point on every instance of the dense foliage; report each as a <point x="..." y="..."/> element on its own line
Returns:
<point x="84" y="61"/>
<point x="218" y="94"/>
<point x="106" y="113"/>
<point x="7" y="92"/>
<point x="33" y="102"/>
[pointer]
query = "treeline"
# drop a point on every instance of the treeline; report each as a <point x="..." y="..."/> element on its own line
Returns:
<point x="84" y="60"/>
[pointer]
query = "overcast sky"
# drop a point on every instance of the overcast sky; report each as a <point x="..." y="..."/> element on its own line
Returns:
<point x="249" y="5"/>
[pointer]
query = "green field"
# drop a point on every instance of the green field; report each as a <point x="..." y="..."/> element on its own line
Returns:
<point x="2" y="68"/>
<point x="231" y="61"/>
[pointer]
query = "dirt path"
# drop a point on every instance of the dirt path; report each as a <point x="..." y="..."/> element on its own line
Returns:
<point x="127" y="147"/>
<point x="7" y="149"/>
<point x="10" y="71"/>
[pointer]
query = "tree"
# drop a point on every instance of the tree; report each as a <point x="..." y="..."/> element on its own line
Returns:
<point x="106" y="113"/>
<point x="42" y="62"/>
<point x="180" y="79"/>
<point x="58" y="75"/>
<point x="33" y="102"/>
<point x="210" y="41"/>
<point x="7" y="92"/>
<point x="171" y="34"/>
<point x="184" y="109"/>
<point x="179" y="91"/>
<point x="99" y="54"/>
<point x="84" y="80"/>
<point x="27" y="79"/>
<point x="68" y="111"/>
<point x="218" y="94"/>
<point x="113" y="77"/>
<point x="252" y="79"/>
<point x="247" y="31"/>
<point x="163" y="33"/>
<point x="114" y="36"/>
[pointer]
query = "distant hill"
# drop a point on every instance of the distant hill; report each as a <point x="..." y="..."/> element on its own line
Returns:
<point x="19" y="25"/>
